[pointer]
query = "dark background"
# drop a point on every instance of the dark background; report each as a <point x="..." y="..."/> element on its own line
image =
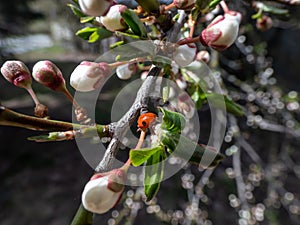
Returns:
<point x="41" y="183"/>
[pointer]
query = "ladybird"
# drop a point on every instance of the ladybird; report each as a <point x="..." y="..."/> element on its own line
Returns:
<point x="145" y="120"/>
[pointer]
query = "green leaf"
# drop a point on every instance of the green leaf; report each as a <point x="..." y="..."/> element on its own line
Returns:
<point x="172" y="121"/>
<point x="189" y="150"/>
<point x="86" y="32"/>
<point x="94" y="37"/>
<point x="116" y="44"/>
<point x="150" y="6"/>
<point x="86" y="19"/>
<point x="143" y="49"/>
<point x="134" y="22"/>
<point x="93" y="34"/>
<point x="168" y="139"/>
<point x="203" y="6"/>
<point x="185" y="146"/>
<point x="76" y="10"/>
<point x="272" y="9"/>
<point x="139" y="156"/>
<point x="219" y="101"/>
<point x="120" y="33"/>
<point x="213" y="4"/>
<point x="153" y="174"/>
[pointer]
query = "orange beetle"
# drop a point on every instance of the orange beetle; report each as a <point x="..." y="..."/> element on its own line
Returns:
<point x="145" y="120"/>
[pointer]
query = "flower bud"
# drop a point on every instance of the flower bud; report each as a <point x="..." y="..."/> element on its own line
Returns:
<point x="184" y="4"/>
<point x="95" y="7"/>
<point x="264" y="23"/>
<point x="103" y="191"/>
<point x="16" y="72"/>
<point x="48" y="74"/>
<point x="186" y="105"/>
<point x="124" y="72"/>
<point x="113" y="20"/>
<point x="222" y="31"/>
<point x="185" y="54"/>
<point x="203" y="56"/>
<point x="89" y="76"/>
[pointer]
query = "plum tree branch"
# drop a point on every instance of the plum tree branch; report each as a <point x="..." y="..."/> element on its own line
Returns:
<point x="120" y="128"/>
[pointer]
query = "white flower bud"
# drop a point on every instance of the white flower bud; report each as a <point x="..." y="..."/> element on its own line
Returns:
<point x="181" y="84"/>
<point x="125" y="72"/>
<point x="186" y="105"/>
<point x="185" y="54"/>
<point x="103" y="191"/>
<point x="113" y="20"/>
<point x="95" y="7"/>
<point x="222" y="31"/>
<point x="89" y="76"/>
<point x="203" y="56"/>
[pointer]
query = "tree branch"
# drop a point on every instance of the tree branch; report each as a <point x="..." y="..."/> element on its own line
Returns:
<point x="120" y="128"/>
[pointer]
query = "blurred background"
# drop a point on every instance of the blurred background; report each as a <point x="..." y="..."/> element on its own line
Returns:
<point x="41" y="183"/>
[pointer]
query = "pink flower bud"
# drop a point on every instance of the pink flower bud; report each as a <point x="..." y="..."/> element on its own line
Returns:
<point x="95" y="7"/>
<point x="48" y="74"/>
<point x="184" y="4"/>
<point x="185" y="54"/>
<point x="113" y="20"/>
<point x="103" y="191"/>
<point x="124" y="72"/>
<point x="222" y="31"/>
<point x="264" y="23"/>
<point x="89" y="76"/>
<point x="17" y="73"/>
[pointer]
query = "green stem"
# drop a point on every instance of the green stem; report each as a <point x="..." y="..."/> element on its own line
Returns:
<point x="82" y="217"/>
<point x="10" y="118"/>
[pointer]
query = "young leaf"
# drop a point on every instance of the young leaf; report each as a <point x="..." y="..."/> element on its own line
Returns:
<point x="139" y="156"/>
<point x="86" y="19"/>
<point x="272" y="9"/>
<point x="185" y="146"/>
<point x="97" y="33"/>
<point x="172" y="121"/>
<point x="150" y="6"/>
<point x="153" y="174"/>
<point x="134" y="22"/>
<point x="218" y="101"/>
<point x="76" y="10"/>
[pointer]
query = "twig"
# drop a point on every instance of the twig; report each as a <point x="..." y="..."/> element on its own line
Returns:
<point x="173" y="33"/>
<point x="239" y="179"/>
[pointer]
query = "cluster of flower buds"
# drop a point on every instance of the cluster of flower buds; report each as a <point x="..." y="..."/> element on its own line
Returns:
<point x="88" y="76"/>
<point x="17" y="73"/>
<point x="95" y="7"/>
<point x="104" y="191"/>
<point x="113" y="20"/>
